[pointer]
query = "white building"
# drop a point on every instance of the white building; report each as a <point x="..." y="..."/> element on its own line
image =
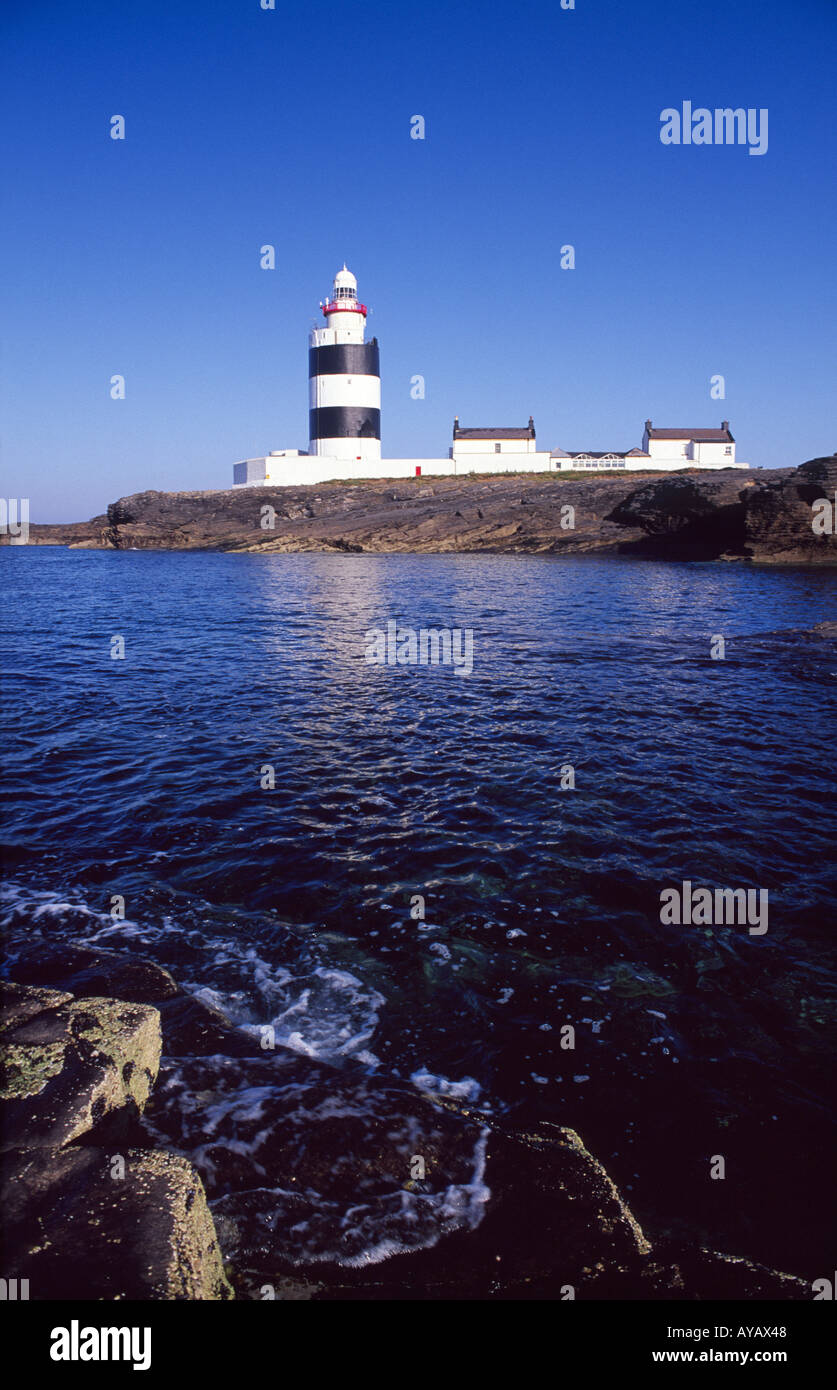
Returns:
<point x="497" y="450"/>
<point x="344" y="424"/>
<point x="690" y="448"/>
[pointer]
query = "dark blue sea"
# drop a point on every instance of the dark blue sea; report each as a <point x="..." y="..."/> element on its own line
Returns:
<point x="291" y="905"/>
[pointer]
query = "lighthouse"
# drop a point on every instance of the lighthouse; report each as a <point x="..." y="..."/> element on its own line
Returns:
<point x="344" y="380"/>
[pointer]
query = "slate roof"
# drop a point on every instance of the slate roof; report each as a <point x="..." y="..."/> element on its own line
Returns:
<point x="700" y="436"/>
<point x="493" y="432"/>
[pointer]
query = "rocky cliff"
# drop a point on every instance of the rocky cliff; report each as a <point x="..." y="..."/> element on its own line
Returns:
<point x="764" y="515"/>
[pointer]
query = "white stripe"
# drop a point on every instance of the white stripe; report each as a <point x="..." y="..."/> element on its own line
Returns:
<point x="324" y="391"/>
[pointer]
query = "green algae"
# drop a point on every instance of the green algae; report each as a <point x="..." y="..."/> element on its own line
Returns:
<point x="26" y="1070"/>
<point x="630" y="981"/>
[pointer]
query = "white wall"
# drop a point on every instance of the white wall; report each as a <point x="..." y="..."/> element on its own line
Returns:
<point x="294" y="470"/>
<point x="348" y="452"/>
<point x="289" y="470"/>
<point x="640" y="465"/>
<point x="486" y="446"/>
<point x="707" y="454"/>
<point x="581" y="465"/>
<point x="341" y="328"/>
<point x="667" y="448"/>
<point x="509" y="461"/>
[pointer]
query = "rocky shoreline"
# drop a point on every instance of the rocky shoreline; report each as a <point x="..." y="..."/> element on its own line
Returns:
<point x="764" y="516"/>
<point x="84" y="1030"/>
<point x="87" y="1214"/>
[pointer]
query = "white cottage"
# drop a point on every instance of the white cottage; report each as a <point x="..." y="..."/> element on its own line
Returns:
<point x="690" y="448"/>
<point x="497" y="449"/>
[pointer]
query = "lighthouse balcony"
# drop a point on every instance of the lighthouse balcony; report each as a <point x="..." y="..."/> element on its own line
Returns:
<point x="344" y="306"/>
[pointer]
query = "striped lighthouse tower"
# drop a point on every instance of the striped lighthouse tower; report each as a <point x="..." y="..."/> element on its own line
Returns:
<point x="344" y="379"/>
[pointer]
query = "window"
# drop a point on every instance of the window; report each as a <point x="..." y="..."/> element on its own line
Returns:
<point x="497" y="448"/>
<point x="728" y="450"/>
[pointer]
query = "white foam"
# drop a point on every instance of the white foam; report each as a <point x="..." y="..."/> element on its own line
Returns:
<point x="369" y="1232"/>
<point x="428" y="1081"/>
<point x="317" y="1008"/>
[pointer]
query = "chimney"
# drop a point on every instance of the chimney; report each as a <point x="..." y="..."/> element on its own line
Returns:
<point x="725" y="424"/>
<point x="647" y="424"/>
<point x="531" y="424"/>
<point x="455" y="425"/>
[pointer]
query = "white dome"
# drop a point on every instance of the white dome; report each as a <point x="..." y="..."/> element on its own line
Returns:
<point x="345" y="280"/>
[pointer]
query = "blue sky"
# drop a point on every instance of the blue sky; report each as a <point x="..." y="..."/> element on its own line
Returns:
<point x="292" y="127"/>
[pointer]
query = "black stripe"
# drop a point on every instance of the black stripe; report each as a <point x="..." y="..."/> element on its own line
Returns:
<point x="345" y="359"/>
<point x="344" y="422"/>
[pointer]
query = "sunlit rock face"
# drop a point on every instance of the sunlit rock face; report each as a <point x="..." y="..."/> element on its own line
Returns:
<point x="793" y="520"/>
